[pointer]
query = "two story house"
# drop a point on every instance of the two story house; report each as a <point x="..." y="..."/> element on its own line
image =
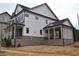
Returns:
<point x="38" y="25"/>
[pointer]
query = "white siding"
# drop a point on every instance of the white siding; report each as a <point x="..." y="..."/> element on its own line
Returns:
<point x="67" y="33"/>
<point x="44" y="11"/>
<point x="18" y="9"/>
<point x="35" y="25"/>
<point x="20" y="18"/>
<point x="67" y="23"/>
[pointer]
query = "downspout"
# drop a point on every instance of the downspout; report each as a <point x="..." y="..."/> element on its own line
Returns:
<point x="62" y="34"/>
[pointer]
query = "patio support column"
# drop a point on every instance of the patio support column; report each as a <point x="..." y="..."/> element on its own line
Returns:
<point x="54" y="33"/>
<point x="10" y="33"/>
<point x="48" y="34"/>
<point x="61" y="33"/>
<point x="15" y="35"/>
<point x="14" y="31"/>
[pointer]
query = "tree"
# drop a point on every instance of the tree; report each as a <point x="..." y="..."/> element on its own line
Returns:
<point x="76" y="34"/>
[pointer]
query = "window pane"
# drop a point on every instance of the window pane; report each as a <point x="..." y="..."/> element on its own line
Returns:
<point x="46" y="31"/>
<point x="36" y="18"/>
<point x="40" y="32"/>
<point x="58" y="33"/>
<point x="46" y="21"/>
<point x="27" y="30"/>
<point x="26" y="15"/>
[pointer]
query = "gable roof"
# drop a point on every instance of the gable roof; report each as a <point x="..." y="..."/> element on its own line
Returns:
<point x="48" y="8"/>
<point x="27" y="8"/>
<point x="13" y="24"/>
<point x="4" y="23"/>
<point x="5" y="13"/>
<point x="22" y="6"/>
<point x="58" y="23"/>
<point x="33" y="13"/>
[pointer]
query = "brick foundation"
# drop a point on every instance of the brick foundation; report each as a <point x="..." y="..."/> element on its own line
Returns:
<point x="23" y="41"/>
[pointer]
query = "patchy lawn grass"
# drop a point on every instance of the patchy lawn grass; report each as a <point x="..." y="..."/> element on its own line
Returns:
<point x="12" y="54"/>
<point x="53" y="50"/>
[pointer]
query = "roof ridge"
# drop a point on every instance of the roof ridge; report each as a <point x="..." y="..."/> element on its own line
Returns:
<point x="58" y="22"/>
<point x="38" y="5"/>
<point x="23" y="6"/>
<point x="35" y="13"/>
<point x="48" y="8"/>
<point x="5" y="13"/>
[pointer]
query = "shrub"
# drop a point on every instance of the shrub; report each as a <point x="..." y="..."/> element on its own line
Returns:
<point x="76" y="34"/>
<point x="4" y="39"/>
<point x="8" y="43"/>
<point x="76" y="46"/>
<point x="19" y="45"/>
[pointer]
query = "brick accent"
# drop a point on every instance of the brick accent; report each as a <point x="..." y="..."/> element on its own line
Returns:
<point x="23" y="41"/>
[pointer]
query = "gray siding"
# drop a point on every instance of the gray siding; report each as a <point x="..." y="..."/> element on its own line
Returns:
<point x="4" y="18"/>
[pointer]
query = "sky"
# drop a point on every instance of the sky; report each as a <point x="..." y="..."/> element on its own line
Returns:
<point x="62" y="8"/>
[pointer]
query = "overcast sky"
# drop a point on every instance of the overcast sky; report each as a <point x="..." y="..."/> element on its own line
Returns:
<point x="62" y="8"/>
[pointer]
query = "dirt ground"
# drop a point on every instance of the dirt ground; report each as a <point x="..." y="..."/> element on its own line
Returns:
<point x="46" y="50"/>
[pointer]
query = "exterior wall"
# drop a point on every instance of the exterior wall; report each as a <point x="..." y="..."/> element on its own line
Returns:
<point x="67" y="23"/>
<point x="4" y="18"/>
<point x="2" y="26"/>
<point x="44" y="11"/>
<point x="18" y="9"/>
<point x="35" y="25"/>
<point x="67" y="33"/>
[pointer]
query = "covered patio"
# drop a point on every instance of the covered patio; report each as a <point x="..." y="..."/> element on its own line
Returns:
<point x="59" y="33"/>
<point x="53" y="33"/>
<point x="13" y="31"/>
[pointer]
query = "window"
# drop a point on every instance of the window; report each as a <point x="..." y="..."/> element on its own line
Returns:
<point x="18" y="18"/>
<point x="22" y="16"/>
<point x="51" y="34"/>
<point x="58" y="33"/>
<point x="46" y="21"/>
<point x="27" y="30"/>
<point x="36" y="18"/>
<point x="26" y="15"/>
<point x="12" y="21"/>
<point x="46" y="31"/>
<point x="40" y="32"/>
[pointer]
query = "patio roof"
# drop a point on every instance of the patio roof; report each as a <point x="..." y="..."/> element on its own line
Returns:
<point x="57" y="23"/>
<point x="13" y="25"/>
